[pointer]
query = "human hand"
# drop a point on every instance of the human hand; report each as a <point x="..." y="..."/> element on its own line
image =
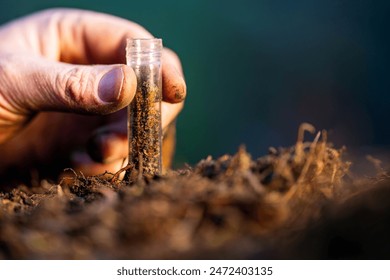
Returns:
<point x="63" y="61"/>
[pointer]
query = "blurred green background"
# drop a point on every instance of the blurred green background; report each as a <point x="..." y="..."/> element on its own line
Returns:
<point x="256" y="69"/>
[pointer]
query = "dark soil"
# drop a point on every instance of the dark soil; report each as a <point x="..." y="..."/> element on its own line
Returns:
<point x="298" y="202"/>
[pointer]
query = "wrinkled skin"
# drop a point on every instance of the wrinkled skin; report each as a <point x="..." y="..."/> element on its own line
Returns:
<point x="53" y="110"/>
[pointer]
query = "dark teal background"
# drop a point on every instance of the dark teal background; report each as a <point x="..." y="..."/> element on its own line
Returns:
<point x="256" y="69"/>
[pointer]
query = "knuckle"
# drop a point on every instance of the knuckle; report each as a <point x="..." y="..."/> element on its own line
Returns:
<point x="10" y="109"/>
<point x="74" y="85"/>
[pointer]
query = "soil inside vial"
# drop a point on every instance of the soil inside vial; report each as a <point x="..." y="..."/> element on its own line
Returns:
<point x="145" y="134"/>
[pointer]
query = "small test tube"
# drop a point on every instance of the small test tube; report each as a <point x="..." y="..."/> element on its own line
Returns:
<point x="144" y="112"/>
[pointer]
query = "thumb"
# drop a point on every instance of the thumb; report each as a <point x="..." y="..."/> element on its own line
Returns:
<point x="30" y="84"/>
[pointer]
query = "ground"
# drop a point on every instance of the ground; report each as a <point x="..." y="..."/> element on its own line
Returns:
<point x="297" y="202"/>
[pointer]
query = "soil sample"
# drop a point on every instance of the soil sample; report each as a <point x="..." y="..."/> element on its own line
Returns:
<point x="144" y="119"/>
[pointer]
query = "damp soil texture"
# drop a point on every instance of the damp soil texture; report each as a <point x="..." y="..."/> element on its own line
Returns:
<point x="145" y="136"/>
<point x="296" y="202"/>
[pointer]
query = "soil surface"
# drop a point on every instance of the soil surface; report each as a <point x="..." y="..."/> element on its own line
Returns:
<point x="297" y="202"/>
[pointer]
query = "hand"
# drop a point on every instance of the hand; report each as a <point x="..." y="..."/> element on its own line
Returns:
<point x="60" y="62"/>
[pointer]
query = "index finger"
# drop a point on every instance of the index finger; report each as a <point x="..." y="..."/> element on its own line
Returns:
<point x="86" y="37"/>
<point x="71" y="35"/>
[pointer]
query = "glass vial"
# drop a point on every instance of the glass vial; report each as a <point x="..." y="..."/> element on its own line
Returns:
<point x="144" y="112"/>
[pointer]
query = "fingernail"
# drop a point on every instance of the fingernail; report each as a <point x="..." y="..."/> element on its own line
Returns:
<point x="180" y="88"/>
<point x="110" y="85"/>
<point x="180" y="95"/>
